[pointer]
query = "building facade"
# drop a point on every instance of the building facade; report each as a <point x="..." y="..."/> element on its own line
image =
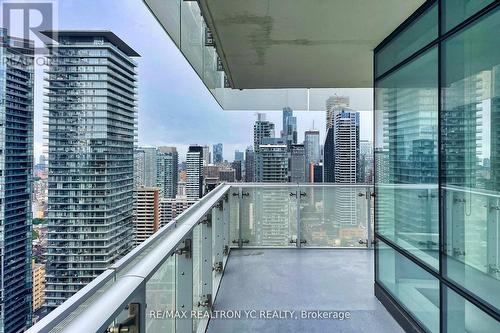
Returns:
<point x="38" y="285"/>
<point x="297" y="164"/>
<point x="171" y="208"/>
<point x="194" y="172"/>
<point x="167" y="171"/>
<point x="147" y="213"/>
<point x="312" y="151"/>
<point x="91" y="134"/>
<point x="273" y="163"/>
<point x="218" y="153"/>
<point x="145" y="166"/>
<point x="346" y="151"/>
<point x="16" y="165"/>
<point x="261" y="129"/>
<point x="249" y="165"/>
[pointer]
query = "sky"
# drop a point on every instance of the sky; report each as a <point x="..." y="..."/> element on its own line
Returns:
<point x="175" y="108"/>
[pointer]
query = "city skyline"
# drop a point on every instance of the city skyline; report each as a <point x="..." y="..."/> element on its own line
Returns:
<point x="190" y="105"/>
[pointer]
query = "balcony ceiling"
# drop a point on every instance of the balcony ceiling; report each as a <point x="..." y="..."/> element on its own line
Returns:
<point x="302" y="43"/>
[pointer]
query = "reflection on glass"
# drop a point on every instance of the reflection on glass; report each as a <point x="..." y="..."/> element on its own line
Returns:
<point x="269" y="216"/>
<point x="415" y="36"/>
<point x="406" y="157"/>
<point x="463" y="316"/>
<point x="470" y="121"/>
<point x="160" y="296"/>
<point x="333" y="216"/>
<point x="413" y="287"/>
<point x="456" y="11"/>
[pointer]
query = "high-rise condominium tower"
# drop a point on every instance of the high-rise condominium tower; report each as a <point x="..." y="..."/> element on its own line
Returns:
<point x="194" y="160"/>
<point x="273" y="166"/>
<point x="167" y="171"/>
<point x="312" y="150"/>
<point x="92" y="128"/>
<point x="16" y="159"/>
<point x="249" y="165"/>
<point x="145" y="166"/>
<point x="261" y="129"/>
<point x="346" y="138"/>
<point x="147" y="213"/>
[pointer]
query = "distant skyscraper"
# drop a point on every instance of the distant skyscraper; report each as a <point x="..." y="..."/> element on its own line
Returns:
<point x="261" y="129"/>
<point x="206" y="155"/>
<point x="16" y="156"/>
<point x="194" y="184"/>
<point x="317" y="173"/>
<point x="237" y="166"/>
<point x="218" y="153"/>
<point x="346" y="137"/>
<point x="331" y="103"/>
<point x="329" y="157"/>
<point x="273" y="165"/>
<point x="312" y="150"/>
<point x="298" y="164"/>
<point x="145" y="166"/>
<point x="227" y="175"/>
<point x="147" y="213"/>
<point x="92" y="116"/>
<point x="239" y="156"/>
<point x="249" y="165"/>
<point x="289" y="131"/>
<point x="365" y="161"/>
<point x="167" y="171"/>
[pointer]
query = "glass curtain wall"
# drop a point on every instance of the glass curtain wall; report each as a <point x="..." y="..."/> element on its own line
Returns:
<point x="437" y="166"/>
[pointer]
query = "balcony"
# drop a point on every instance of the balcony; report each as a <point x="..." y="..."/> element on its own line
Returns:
<point x="262" y="247"/>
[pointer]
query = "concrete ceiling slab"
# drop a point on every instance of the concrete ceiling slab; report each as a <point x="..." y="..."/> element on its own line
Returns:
<point x="302" y="43"/>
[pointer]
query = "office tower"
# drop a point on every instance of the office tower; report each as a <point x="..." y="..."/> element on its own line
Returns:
<point x="289" y="131"/>
<point x="145" y="166"/>
<point x="147" y="213"/>
<point x="171" y="208"/>
<point x="227" y="175"/>
<point x="194" y="172"/>
<point x="16" y="165"/>
<point x="312" y="150"/>
<point x="365" y="161"/>
<point x="346" y="138"/>
<point x="206" y="155"/>
<point x="38" y="285"/>
<point x="218" y="153"/>
<point x="91" y="115"/>
<point x="297" y="164"/>
<point x="317" y="173"/>
<point x="239" y="156"/>
<point x="236" y="165"/>
<point x="249" y="165"/>
<point x="331" y="103"/>
<point x="167" y="171"/>
<point x="329" y="157"/>
<point x="261" y="129"/>
<point x="273" y="163"/>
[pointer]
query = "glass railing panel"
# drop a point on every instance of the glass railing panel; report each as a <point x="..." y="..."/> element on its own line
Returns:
<point x="192" y="35"/>
<point x="414" y="288"/>
<point x="168" y="13"/>
<point x="160" y="298"/>
<point x="333" y="216"/>
<point x="269" y="216"/>
<point x="407" y="215"/>
<point x="472" y="246"/>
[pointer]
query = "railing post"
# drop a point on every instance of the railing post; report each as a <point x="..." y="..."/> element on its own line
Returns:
<point x="218" y="247"/>
<point x="226" y="225"/>
<point x="240" y="217"/>
<point x="206" y="266"/>
<point x="369" y="218"/>
<point x="297" y="202"/>
<point x="184" y="285"/>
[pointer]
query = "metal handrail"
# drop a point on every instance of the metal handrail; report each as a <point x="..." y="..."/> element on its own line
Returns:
<point x="101" y="312"/>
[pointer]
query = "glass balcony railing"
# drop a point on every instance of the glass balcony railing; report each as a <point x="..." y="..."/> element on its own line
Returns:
<point x="180" y="267"/>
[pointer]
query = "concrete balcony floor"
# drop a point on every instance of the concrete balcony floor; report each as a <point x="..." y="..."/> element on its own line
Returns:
<point x="307" y="279"/>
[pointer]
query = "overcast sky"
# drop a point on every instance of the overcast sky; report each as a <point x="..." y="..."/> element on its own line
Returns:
<point x="175" y="108"/>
